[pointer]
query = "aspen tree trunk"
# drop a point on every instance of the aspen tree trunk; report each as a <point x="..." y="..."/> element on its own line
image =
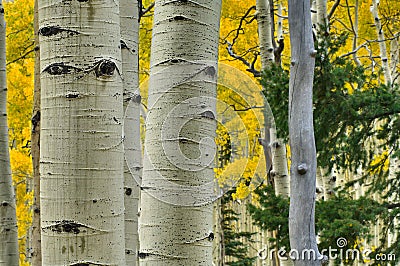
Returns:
<point x="129" y="14"/>
<point x="9" y="253"/>
<point x="265" y="32"/>
<point x="176" y="216"/>
<point x="301" y="134"/>
<point x="35" y="150"/>
<point x="382" y="44"/>
<point x="394" y="163"/>
<point x="81" y="155"/>
<point x="274" y="149"/>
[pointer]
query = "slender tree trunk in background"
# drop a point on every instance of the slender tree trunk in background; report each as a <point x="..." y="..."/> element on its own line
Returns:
<point x="274" y="149"/>
<point x="301" y="134"/>
<point x="394" y="163"/>
<point x="35" y="151"/>
<point x="382" y="44"/>
<point x="129" y="14"/>
<point x="81" y="154"/>
<point x="265" y="32"/>
<point x="177" y="190"/>
<point x="9" y="253"/>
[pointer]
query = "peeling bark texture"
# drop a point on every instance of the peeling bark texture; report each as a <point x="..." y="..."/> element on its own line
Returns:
<point x="301" y="134"/>
<point x="9" y="254"/>
<point x="81" y="153"/>
<point x="36" y="251"/>
<point x="382" y="44"/>
<point x="129" y="17"/>
<point x="176" y="218"/>
<point x="265" y="32"/>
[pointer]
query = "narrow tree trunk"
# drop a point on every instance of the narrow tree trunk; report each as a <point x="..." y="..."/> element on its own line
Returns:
<point x="9" y="254"/>
<point x="129" y="13"/>
<point x="177" y="189"/>
<point x="35" y="151"/>
<point x="301" y="134"/>
<point x="81" y="154"/>
<point x="382" y="44"/>
<point x="265" y="32"/>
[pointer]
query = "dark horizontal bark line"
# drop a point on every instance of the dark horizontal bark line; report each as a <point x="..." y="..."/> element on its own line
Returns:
<point x="54" y="30"/>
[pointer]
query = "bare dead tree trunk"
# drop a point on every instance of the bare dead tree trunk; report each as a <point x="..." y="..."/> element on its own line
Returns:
<point x="301" y="134"/>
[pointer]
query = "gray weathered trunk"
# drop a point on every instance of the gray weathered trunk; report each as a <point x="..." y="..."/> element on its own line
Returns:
<point x="129" y="14"/>
<point x="176" y="216"/>
<point x="9" y="254"/>
<point x="301" y="134"/>
<point x="81" y="154"/>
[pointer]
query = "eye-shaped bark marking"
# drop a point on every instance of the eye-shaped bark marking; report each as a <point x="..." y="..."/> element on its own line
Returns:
<point x="208" y="114"/>
<point x="179" y="18"/>
<point x="105" y="68"/>
<point x="53" y="30"/>
<point x="70" y="227"/>
<point x="60" y="69"/>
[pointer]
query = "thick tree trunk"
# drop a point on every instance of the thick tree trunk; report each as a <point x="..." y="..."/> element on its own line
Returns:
<point x="177" y="190"/>
<point x="9" y="254"/>
<point x="81" y="154"/>
<point x="129" y="14"/>
<point x="301" y="134"/>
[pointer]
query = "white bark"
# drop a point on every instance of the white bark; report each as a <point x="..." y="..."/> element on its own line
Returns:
<point x="301" y="134"/>
<point x="395" y="60"/>
<point x="129" y="14"/>
<point x="265" y="32"/>
<point x="322" y="16"/>
<point x="9" y="254"/>
<point x="279" y="30"/>
<point x="329" y="182"/>
<point x="81" y="157"/>
<point x="319" y="184"/>
<point x="394" y="163"/>
<point x="382" y="44"/>
<point x="355" y="30"/>
<point x="175" y="224"/>
<point x="279" y="166"/>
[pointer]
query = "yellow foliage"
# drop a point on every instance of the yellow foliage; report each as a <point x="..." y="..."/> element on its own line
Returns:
<point x="20" y="64"/>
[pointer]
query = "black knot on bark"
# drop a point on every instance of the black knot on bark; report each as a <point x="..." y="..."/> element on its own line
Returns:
<point x="178" y="18"/>
<point x="128" y="191"/>
<point x="123" y="44"/>
<point x="143" y="255"/>
<point x="210" y="71"/>
<point x="302" y="169"/>
<point x="4" y="204"/>
<point x="211" y="236"/>
<point x="105" y="68"/>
